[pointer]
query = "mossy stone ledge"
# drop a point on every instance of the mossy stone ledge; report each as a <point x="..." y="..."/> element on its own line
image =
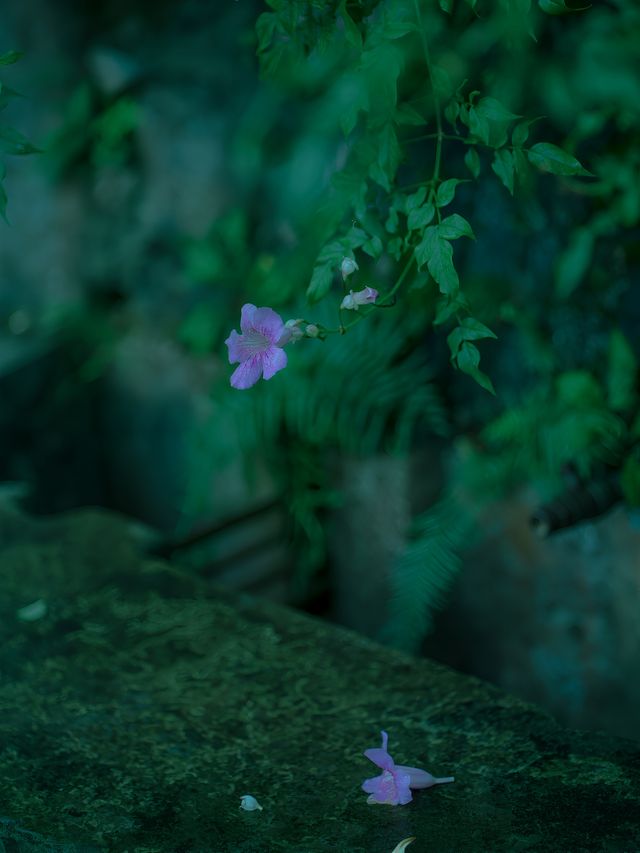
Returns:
<point x="137" y="706"/>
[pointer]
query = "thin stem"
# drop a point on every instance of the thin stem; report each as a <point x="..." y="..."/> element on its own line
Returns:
<point x="401" y="278"/>
<point x="436" y="97"/>
<point x="435" y="136"/>
<point x="343" y="328"/>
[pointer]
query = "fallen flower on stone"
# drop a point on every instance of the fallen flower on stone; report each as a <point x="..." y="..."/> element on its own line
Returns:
<point x="249" y="803"/>
<point x="393" y="786"/>
<point x="259" y="347"/>
<point x="352" y="301"/>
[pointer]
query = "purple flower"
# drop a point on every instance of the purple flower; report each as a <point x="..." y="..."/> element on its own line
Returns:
<point x="352" y="300"/>
<point x="393" y="786"/>
<point x="259" y="347"/>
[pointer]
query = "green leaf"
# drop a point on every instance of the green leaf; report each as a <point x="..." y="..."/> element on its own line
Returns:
<point x="415" y="200"/>
<point x="455" y="226"/>
<point x="398" y="29"/>
<point x="474" y="330"/>
<point x="550" y="158"/>
<point x="446" y="308"/>
<point x="13" y="142"/>
<point x="622" y="373"/>
<point x="574" y="262"/>
<point x="373" y="247"/>
<point x="468" y="359"/>
<point x="354" y="238"/>
<point x="10" y="57"/>
<point x="354" y="101"/>
<point x="321" y="281"/>
<point x="395" y="247"/>
<point x="503" y="166"/>
<point x="446" y="192"/>
<point x="442" y="82"/>
<point x="383" y="171"/>
<point x="521" y="131"/>
<point x="454" y="341"/>
<point x="391" y="225"/>
<point x="351" y="32"/>
<point x="420" y="217"/>
<point x="578" y="388"/>
<point x="559" y="7"/>
<point x="469" y="329"/>
<point x="381" y="66"/>
<point x="521" y="165"/>
<point x="472" y="162"/>
<point x="446" y="5"/>
<point x="493" y="110"/>
<point x="437" y="253"/>
<point x="487" y="120"/>
<point x="479" y="125"/>
<point x="406" y="114"/>
<point x="451" y="112"/>
<point x="630" y="480"/>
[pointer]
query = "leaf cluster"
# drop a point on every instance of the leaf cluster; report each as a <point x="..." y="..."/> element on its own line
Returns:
<point x="11" y="140"/>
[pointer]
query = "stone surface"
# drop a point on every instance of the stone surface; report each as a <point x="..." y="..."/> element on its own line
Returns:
<point x="369" y="534"/>
<point x="554" y="621"/>
<point x="138" y="710"/>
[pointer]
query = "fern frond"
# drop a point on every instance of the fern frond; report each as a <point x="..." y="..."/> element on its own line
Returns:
<point x="425" y="572"/>
<point x="360" y="394"/>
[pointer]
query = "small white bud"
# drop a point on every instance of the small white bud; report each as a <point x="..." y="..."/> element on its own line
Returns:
<point x="347" y="267"/>
<point x="312" y="331"/>
<point x="249" y="803"/>
<point x="294" y="329"/>
<point x="349" y="303"/>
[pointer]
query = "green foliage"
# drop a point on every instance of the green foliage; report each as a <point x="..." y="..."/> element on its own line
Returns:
<point x="11" y="140"/>
<point x="425" y="572"/>
<point x="353" y="394"/>
<point x="424" y="118"/>
<point x="351" y="397"/>
<point x="569" y="422"/>
<point x="378" y="48"/>
<point x="559" y="7"/>
<point x="96" y="132"/>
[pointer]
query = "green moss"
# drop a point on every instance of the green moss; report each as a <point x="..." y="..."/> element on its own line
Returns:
<point x="139" y="709"/>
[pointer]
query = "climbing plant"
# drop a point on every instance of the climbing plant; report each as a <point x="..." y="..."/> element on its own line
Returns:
<point x="479" y="199"/>
<point x="11" y="140"/>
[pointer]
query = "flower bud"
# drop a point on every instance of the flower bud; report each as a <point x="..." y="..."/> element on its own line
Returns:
<point x="291" y="333"/>
<point x="312" y="331"/>
<point x="249" y="803"/>
<point x="347" y="267"/>
<point x="352" y="301"/>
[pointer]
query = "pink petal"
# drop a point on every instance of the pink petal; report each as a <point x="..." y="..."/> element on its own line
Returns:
<point x="273" y="360"/>
<point x="234" y="342"/>
<point x="389" y="788"/>
<point x="403" y="789"/>
<point x="263" y="320"/>
<point x="422" y="778"/>
<point x="247" y="316"/>
<point x="380" y="757"/>
<point x="247" y="373"/>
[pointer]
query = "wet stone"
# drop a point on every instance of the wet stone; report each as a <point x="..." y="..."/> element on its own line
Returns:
<point x="141" y="705"/>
